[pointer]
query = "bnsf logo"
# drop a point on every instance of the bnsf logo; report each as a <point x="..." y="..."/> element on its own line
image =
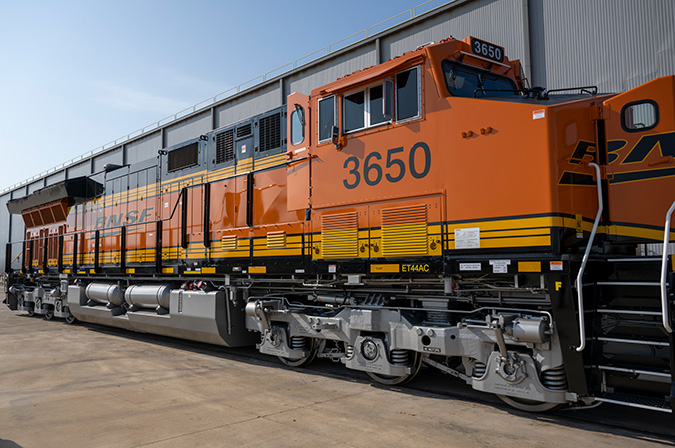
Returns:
<point x="132" y="217"/>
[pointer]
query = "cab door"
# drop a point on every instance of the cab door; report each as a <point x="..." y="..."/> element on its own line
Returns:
<point x="640" y="132"/>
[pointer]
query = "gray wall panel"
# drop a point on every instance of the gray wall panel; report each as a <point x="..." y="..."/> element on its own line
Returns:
<point x="500" y="22"/>
<point x="330" y="70"/>
<point x="35" y="186"/>
<point x="187" y="129"/>
<point x="143" y="148"/>
<point x="614" y="44"/>
<point x="81" y="169"/>
<point x="4" y="228"/>
<point x="113" y="157"/>
<point x="56" y="177"/>
<point x="246" y="106"/>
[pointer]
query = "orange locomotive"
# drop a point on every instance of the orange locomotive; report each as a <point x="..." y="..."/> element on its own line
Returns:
<point x="428" y="210"/>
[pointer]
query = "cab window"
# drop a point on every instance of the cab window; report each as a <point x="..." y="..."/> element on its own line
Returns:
<point x="639" y="116"/>
<point x="470" y="82"/>
<point x="326" y="117"/>
<point x="408" y="94"/>
<point x="363" y="109"/>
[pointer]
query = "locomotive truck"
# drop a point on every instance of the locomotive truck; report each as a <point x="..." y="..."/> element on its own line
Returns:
<point x="433" y="210"/>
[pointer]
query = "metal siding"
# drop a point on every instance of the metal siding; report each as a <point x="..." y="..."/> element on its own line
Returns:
<point x="248" y="105"/>
<point x="81" y="169"/>
<point x="56" y="177"/>
<point x="4" y="228"/>
<point x="189" y="128"/>
<point x="113" y="157"/>
<point x="614" y="44"/>
<point x="35" y="186"/>
<point x="330" y="70"/>
<point x="143" y="149"/>
<point x="499" y="22"/>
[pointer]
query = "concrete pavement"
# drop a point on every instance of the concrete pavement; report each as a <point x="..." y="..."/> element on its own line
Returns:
<point x="79" y="386"/>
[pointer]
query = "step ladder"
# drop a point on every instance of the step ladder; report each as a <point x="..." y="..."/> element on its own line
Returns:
<point x="629" y="353"/>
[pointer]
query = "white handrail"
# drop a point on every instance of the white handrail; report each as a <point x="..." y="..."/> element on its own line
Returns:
<point x="665" y="311"/>
<point x="587" y="253"/>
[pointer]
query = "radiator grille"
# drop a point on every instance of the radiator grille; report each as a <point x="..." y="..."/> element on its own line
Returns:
<point x="184" y="157"/>
<point x="404" y="231"/>
<point x="225" y="146"/>
<point x="244" y="130"/>
<point x="270" y="132"/>
<point x="229" y="242"/>
<point x="340" y="235"/>
<point x="276" y="240"/>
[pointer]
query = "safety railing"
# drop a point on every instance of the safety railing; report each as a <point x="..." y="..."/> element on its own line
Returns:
<point x="321" y="52"/>
<point x="579" y="285"/>
<point x="665" y="309"/>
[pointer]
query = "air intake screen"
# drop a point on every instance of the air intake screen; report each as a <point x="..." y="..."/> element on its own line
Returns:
<point x="184" y="157"/>
<point x="243" y="131"/>
<point x="340" y="235"/>
<point x="270" y="132"/>
<point x="225" y="146"/>
<point x="404" y="231"/>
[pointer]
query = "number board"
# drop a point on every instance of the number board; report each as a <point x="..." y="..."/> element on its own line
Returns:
<point x="487" y="50"/>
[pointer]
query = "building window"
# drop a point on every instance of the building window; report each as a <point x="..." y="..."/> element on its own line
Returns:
<point x="364" y="109"/>
<point x="408" y="94"/>
<point x="326" y="117"/>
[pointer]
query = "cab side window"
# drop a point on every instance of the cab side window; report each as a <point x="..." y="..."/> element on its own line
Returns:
<point x="326" y="118"/>
<point x="408" y="97"/>
<point x="639" y="116"/>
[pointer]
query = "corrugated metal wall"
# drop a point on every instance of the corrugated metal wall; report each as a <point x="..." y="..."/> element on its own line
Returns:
<point x="614" y="44"/>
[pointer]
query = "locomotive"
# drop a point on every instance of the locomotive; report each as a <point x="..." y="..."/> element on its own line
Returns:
<point x="433" y="210"/>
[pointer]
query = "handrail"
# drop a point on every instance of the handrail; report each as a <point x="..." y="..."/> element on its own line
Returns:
<point x="665" y="312"/>
<point x="212" y="100"/>
<point x="584" y="261"/>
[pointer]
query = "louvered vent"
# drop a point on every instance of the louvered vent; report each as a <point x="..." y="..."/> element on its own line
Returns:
<point x="184" y="157"/>
<point x="229" y="242"/>
<point x="404" y="231"/>
<point x="243" y="131"/>
<point x="225" y="146"/>
<point x="340" y="235"/>
<point x="276" y="240"/>
<point x="270" y="132"/>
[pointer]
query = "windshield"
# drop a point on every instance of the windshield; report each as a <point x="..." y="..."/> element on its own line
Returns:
<point x="470" y="82"/>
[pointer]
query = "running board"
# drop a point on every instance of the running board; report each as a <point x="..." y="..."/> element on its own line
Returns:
<point x="636" y="401"/>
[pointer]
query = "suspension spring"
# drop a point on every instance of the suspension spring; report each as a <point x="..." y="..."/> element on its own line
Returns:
<point x="350" y="351"/>
<point x="298" y="343"/>
<point x="400" y="357"/>
<point x="554" y="379"/>
<point x="479" y="369"/>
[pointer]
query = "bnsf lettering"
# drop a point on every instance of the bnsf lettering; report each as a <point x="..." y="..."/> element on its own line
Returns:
<point x="395" y="166"/>
<point x="664" y="143"/>
<point x="106" y="222"/>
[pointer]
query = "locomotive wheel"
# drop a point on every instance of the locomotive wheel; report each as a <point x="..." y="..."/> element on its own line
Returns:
<point x="70" y="319"/>
<point x="31" y="311"/>
<point x="300" y="362"/>
<point x="528" y="405"/>
<point x="388" y="380"/>
<point x="49" y="313"/>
